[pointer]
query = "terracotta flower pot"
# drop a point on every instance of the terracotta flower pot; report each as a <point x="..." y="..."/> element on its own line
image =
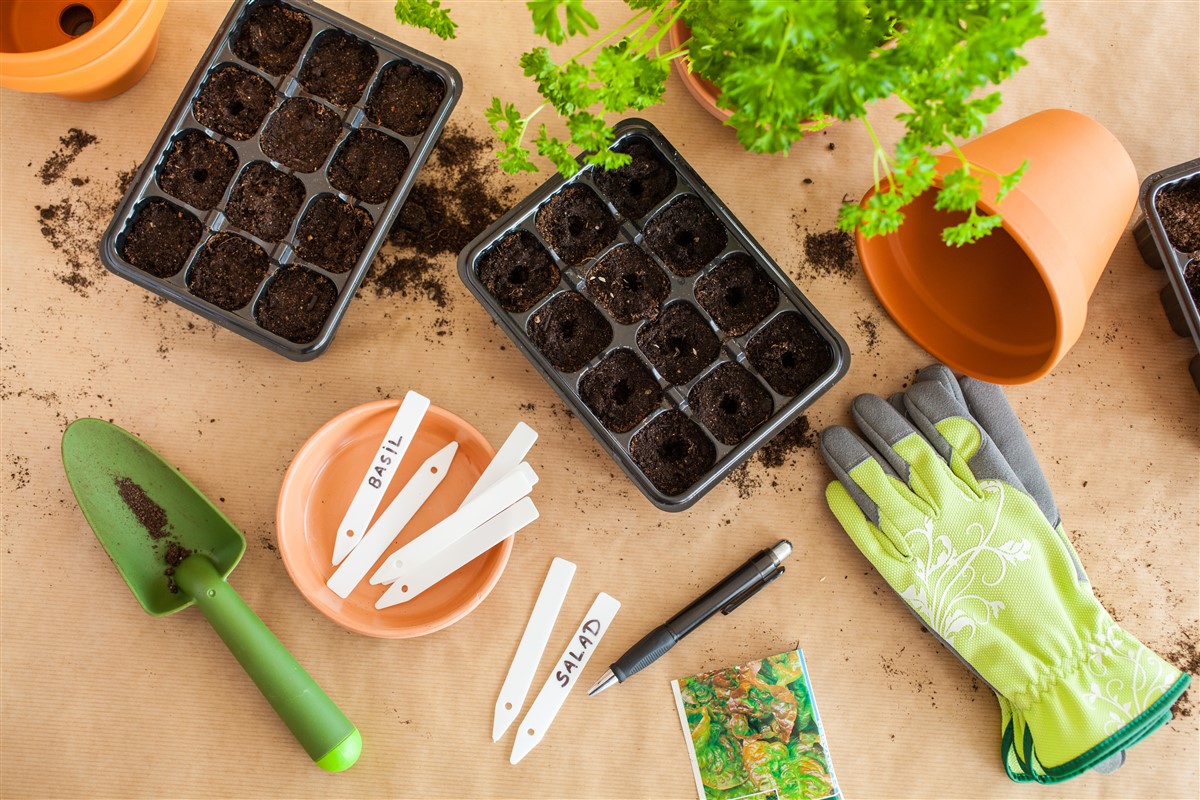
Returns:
<point x="1007" y="308"/>
<point x="79" y="49"/>
<point x="699" y="87"/>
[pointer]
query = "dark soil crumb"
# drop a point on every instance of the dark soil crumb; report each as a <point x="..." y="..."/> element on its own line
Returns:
<point x="198" y="169"/>
<point x="332" y="233"/>
<point x="149" y="513"/>
<point x="737" y="294"/>
<point x="1191" y="279"/>
<point x="789" y="353"/>
<point x="1185" y="654"/>
<point x="271" y="37"/>
<point x="576" y="223"/>
<point x="338" y="67"/>
<point x="686" y="235"/>
<point x="227" y="271"/>
<point x="830" y="253"/>
<point x="780" y="450"/>
<point x="628" y="284"/>
<point x="620" y="391"/>
<point x="160" y="238"/>
<point x="1178" y="206"/>
<point x="641" y="184"/>
<point x="672" y="451"/>
<point x="405" y="98"/>
<point x="730" y="402"/>
<point x="569" y="331"/>
<point x="517" y="271"/>
<point x="296" y="304"/>
<point x="176" y="553"/>
<point x="680" y="343"/>
<point x="745" y="481"/>
<point x="301" y="134"/>
<point x="20" y="474"/>
<point x="234" y="101"/>
<point x="70" y="146"/>
<point x="369" y="165"/>
<point x="869" y="328"/>
<point x="265" y="201"/>
<point x="408" y="277"/>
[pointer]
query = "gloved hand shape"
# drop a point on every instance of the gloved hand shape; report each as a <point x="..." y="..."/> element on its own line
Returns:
<point x="946" y="499"/>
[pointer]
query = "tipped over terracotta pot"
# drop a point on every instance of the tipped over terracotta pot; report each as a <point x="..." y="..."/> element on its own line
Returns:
<point x="702" y="89"/>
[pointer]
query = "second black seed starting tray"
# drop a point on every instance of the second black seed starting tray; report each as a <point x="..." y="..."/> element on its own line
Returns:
<point x="656" y="316"/>
<point x="279" y="172"/>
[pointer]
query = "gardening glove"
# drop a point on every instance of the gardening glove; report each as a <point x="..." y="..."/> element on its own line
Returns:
<point x="948" y="502"/>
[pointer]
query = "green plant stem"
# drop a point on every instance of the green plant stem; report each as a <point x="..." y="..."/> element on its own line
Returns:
<point x="609" y="35"/>
<point x="879" y="156"/>
<point x="664" y="27"/>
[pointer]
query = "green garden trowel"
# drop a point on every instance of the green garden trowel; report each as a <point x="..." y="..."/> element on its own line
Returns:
<point x="100" y="458"/>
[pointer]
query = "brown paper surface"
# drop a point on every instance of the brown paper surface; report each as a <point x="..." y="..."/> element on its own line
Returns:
<point x="101" y="699"/>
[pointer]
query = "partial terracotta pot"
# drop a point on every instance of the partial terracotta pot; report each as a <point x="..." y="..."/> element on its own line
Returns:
<point x="79" y="49"/>
<point x="1007" y="308"/>
<point x="699" y="87"/>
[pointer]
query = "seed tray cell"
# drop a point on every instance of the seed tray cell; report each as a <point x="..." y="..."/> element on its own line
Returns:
<point x="661" y="367"/>
<point x="270" y="142"/>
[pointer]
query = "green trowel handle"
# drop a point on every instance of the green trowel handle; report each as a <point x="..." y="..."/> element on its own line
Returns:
<point x="319" y="725"/>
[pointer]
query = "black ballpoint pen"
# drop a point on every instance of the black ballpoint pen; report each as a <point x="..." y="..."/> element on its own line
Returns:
<point x="738" y="587"/>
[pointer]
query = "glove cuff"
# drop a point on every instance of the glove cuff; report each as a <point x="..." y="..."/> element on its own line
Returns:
<point x="1109" y="695"/>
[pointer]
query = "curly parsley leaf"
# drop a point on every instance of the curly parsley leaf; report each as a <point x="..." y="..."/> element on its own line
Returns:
<point x="546" y="21"/>
<point x="427" y="14"/>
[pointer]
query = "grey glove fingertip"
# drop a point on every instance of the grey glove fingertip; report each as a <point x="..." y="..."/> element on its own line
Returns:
<point x="897" y="402"/>
<point x="883" y="426"/>
<point x="941" y="374"/>
<point x="843" y="451"/>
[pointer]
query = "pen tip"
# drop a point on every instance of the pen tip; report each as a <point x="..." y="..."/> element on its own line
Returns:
<point x="606" y="680"/>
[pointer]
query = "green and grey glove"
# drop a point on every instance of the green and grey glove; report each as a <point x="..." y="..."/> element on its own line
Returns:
<point x="947" y="500"/>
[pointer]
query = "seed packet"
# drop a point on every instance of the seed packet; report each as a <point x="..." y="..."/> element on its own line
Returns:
<point x="753" y="732"/>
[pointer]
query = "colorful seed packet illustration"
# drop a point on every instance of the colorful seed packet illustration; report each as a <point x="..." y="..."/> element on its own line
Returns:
<point x="753" y="732"/>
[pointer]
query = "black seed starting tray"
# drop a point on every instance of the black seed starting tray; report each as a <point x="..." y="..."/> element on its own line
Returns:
<point x="656" y="316"/>
<point x="279" y="172"/>
<point x="1172" y="243"/>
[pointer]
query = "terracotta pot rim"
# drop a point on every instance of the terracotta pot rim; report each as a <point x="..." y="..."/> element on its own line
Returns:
<point x="124" y="24"/>
<point x="679" y="33"/>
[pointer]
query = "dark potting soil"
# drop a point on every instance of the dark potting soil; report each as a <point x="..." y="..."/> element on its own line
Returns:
<point x="296" y="304"/>
<point x="301" y="134"/>
<point x="70" y="146"/>
<point x="160" y="237"/>
<point x="234" y="101"/>
<point x="405" y="98"/>
<point x="673" y="452"/>
<point x="227" y="271"/>
<point x="332" y="233"/>
<point x="737" y="294"/>
<point x="569" y="331"/>
<point x="1178" y="206"/>
<point x="176" y="553"/>
<point x="576" y="223"/>
<point x="686" y="235"/>
<point x="408" y="277"/>
<point x="789" y="353"/>
<point x="369" y="165"/>
<point x="730" y="402"/>
<point x="265" y="201"/>
<point x="680" y="343"/>
<point x="338" y="67"/>
<point x="830" y="253"/>
<point x="271" y="37"/>
<point x="517" y="271"/>
<point x="148" y="513"/>
<point x="785" y="444"/>
<point x="641" y="184"/>
<point x="628" y="284"/>
<point x="198" y="169"/>
<point x="620" y="390"/>
<point x="1191" y="278"/>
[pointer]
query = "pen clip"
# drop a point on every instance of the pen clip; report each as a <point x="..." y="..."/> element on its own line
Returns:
<point x="733" y="604"/>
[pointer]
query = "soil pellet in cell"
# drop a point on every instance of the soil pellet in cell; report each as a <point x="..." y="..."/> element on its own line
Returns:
<point x="737" y="294"/>
<point x="265" y="201"/>
<point x="369" y="165"/>
<point x="1179" y="208"/>
<point x="332" y="233"/>
<point x="1191" y="278"/>
<point x="672" y="451"/>
<point x="680" y="343"/>
<point x="569" y="331"/>
<point x="149" y="514"/>
<point x="641" y="184"/>
<point x="227" y="271"/>
<point x="234" y="101"/>
<point x="517" y="271"/>
<point x="271" y="37"/>
<point x="576" y="223"/>
<point x="301" y="134"/>
<point x="296" y="304"/>
<point x="160" y="238"/>
<point x="405" y="98"/>
<point x="338" y="67"/>
<point x="620" y="390"/>
<point x="686" y="235"/>
<point x="789" y="353"/>
<point x="198" y="169"/>
<point x="628" y="284"/>
<point x="730" y="402"/>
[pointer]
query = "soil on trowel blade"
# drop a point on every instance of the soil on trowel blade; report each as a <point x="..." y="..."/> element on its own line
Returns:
<point x="149" y="513"/>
